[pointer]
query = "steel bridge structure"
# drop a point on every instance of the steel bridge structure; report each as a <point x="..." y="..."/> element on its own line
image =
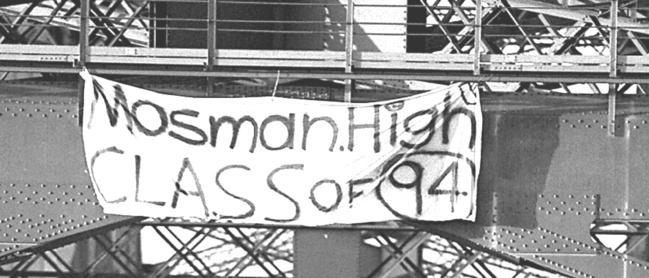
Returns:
<point x="563" y="186"/>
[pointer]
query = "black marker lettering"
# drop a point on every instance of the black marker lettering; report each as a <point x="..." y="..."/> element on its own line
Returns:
<point x="272" y="186"/>
<point x="430" y="127"/>
<point x="119" y="101"/>
<point x="138" y="163"/>
<point x="190" y="113"/>
<point x="93" y="160"/>
<point x="317" y="204"/>
<point x="448" y="116"/>
<point x="251" y="206"/>
<point x="179" y="190"/>
<point x="471" y="91"/>
<point x="400" y="212"/>
<point x="215" y="125"/>
<point x="351" y="194"/>
<point x="164" y="122"/>
<point x="376" y="125"/>
<point x="307" y="123"/>
<point x="394" y="107"/>
<point x="416" y="181"/>
<point x="433" y="188"/>
<point x="289" y="124"/>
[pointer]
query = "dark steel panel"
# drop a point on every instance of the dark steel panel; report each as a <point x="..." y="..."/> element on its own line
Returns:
<point x="317" y="251"/>
<point x="14" y="2"/>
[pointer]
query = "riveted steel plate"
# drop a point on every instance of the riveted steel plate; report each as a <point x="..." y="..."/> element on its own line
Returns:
<point x="45" y="195"/>
<point x="638" y="172"/>
<point x="549" y="170"/>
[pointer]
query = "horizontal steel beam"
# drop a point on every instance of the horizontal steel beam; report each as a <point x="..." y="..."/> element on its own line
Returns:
<point x="38" y="54"/>
<point x="183" y="223"/>
<point x="444" y="76"/>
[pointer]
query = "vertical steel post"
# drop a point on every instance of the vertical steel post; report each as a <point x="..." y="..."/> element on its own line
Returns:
<point x="349" y="50"/>
<point x="158" y="36"/>
<point x="612" y="87"/>
<point x="153" y="25"/>
<point x="211" y="42"/>
<point x="477" y="39"/>
<point x="84" y="20"/>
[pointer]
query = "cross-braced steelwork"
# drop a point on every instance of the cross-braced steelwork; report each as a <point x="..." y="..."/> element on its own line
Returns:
<point x="223" y="251"/>
<point x="545" y="45"/>
<point x="626" y="236"/>
<point x="57" y="22"/>
<point x="208" y="250"/>
<point x="538" y="34"/>
<point x="525" y="47"/>
<point x="114" y="253"/>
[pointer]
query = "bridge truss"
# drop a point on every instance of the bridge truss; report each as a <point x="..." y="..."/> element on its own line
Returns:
<point x="563" y="82"/>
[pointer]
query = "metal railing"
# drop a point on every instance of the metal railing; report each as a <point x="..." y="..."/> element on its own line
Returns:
<point x="343" y="38"/>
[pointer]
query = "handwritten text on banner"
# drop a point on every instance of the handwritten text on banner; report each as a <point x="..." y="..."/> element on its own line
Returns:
<point x="282" y="161"/>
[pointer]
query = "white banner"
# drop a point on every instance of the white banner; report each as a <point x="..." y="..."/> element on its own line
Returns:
<point x="282" y="161"/>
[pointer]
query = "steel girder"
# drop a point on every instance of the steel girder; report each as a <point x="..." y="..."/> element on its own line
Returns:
<point x="560" y="141"/>
<point x="533" y="42"/>
<point x="552" y="178"/>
